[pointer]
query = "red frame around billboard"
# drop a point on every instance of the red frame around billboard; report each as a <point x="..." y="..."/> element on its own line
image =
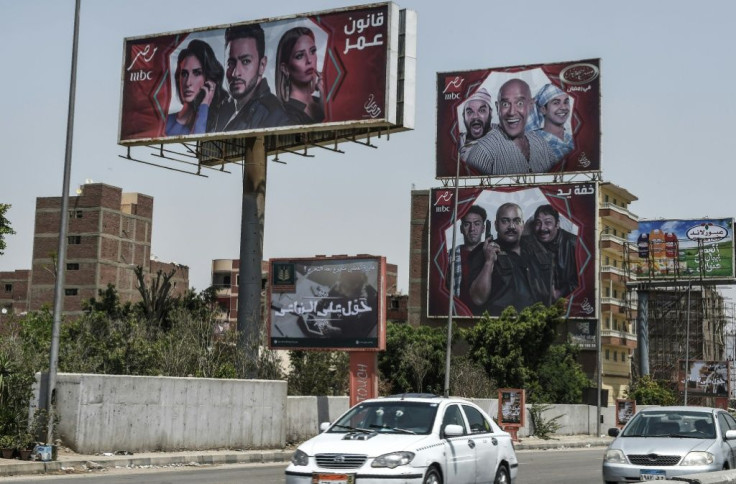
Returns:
<point x="576" y="204"/>
<point x="580" y="80"/>
<point x="309" y="309"/>
<point x="355" y="64"/>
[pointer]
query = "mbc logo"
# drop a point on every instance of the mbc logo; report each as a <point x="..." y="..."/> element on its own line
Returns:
<point x="140" y="76"/>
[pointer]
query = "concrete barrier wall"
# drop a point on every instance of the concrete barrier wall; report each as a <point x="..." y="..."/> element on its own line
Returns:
<point x="107" y="413"/>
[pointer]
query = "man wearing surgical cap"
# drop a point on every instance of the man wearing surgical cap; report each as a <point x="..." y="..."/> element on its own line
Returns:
<point x="477" y="119"/>
<point x="553" y="110"/>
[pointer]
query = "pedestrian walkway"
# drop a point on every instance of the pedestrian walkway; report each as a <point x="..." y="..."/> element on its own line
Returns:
<point x="69" y="462"/>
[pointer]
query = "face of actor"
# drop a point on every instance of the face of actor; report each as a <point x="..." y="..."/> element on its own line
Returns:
<point x="514" y="102"/>
<point x="303" y="61"/>
<point x="477" y="117"/>
<point x="545" y="228"/>
<point x="557" y="109"/>
<point x="472" y="226"/>
<point x="191" y="78"/>
<point x="351" y="283"/>
<point x="244" y="69"/>
<point x="509" y="225"/>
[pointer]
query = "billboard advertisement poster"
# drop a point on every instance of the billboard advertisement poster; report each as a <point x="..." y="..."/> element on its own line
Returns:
<point x="515" y="246"/>
<point x="582" y="333"/>
<point x="536" y="119"/>
<point x="707" y="378"/>
<point x="327" y="303"/>
<point x="684" y="248"/>
<point x="625" y="409"/>
<point x="511" y="407"/>
<point x="328" y="69"/>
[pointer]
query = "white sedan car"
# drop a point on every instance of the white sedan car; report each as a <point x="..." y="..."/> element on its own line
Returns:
<point x="416" y="439"/>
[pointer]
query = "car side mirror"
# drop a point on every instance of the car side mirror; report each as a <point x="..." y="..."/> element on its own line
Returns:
<point x="324" y="426"/>
<point x="613" y="432"/>
<point x="730" y="434"/>
<point x="452" y="430"/>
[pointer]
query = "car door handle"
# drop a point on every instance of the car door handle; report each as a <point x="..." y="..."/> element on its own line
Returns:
<point x="494" y="441"/>
<point x="471" y="444"/>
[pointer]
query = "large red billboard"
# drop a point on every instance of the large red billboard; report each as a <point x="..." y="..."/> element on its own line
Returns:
<point x="515" y="246"/>
<point x="518" y="120"/>
<point x="327" y="303"/>
<point x="334" y="69"/>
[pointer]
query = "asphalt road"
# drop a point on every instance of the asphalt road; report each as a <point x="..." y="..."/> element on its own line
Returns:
<point x="572" y="466"/>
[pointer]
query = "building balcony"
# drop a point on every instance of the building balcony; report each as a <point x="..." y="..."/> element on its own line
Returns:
<point x="610" y="241"/>
<point x="619" y="216"/>
<point x="618" y="338"/>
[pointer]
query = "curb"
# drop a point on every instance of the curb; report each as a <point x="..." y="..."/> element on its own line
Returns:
<point x="101" y="462"/>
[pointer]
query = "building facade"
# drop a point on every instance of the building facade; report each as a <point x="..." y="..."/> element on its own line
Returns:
<point x="109" y="235"/>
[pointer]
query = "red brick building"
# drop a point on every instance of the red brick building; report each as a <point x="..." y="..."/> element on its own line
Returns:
<point x="109" y="234"/>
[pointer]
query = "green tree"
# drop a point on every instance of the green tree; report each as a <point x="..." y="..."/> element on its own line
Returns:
<point x="511" y="348"/>
<point x="5" y="228"/>
<point x="318" y="373"/>
<point x="560" y="378"/>
<point x="414" y="360"/>
<point x="647" y="391"/>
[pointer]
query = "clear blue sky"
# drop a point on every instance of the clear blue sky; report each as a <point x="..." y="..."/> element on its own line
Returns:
<point x="668" y="112"/>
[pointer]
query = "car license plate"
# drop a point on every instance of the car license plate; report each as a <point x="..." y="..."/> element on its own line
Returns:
<point x="333" y="478"/>
<point x="652" y="475"/>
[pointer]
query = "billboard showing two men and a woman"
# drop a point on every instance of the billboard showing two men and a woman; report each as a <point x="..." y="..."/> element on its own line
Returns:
<point x="331" y="67"/>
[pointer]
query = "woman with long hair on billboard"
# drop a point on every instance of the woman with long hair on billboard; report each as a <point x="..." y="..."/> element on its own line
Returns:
<point x="198" y="79"/>
<point x="297" y="77"/>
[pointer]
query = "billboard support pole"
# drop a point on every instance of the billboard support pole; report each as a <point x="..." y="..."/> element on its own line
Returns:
<point x="251" y="253"/>
<point x="687" y="339"/>
<point x="451" y="306"/>
<point x="63" y="229"/>
<point x="642" y="330"/>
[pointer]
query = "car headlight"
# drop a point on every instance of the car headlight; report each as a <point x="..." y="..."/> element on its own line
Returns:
<point x="698" y="458"/>
<point x="614" y="456"/>
<point x="394" y="459"/>
<point x="300" y="458"/>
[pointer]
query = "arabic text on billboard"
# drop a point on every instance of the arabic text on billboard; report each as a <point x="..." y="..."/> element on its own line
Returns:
<point x="517" y="120"/>
<point x="516" y="246"/>
<point x="684" y="248"/>
<point x="328" y="68"/>
<point x="704" y="377"/>
<point x="326" y="303"/>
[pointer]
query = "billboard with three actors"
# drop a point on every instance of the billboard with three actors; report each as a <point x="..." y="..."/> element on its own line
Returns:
<point x="684" y="248"/>
<point x="327" y="303"/>
<point x="519" y="120"/>
<point x="336" y="68"/>
<point x="515" y="246"/>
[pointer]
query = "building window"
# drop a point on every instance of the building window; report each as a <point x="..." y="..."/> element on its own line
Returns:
<point x="74" y="239"/>
<point x="615" y="263"/>
<point x="394" y="304"/>
<point x="226" y="281"/>
<point x="76" y="214"/>
<point x="606" y="229"/>
<point x="615" y="356"/>
<point x="615" y="232"/>
<point x="8" y="288"/>
<point x="615" y="293"/>
<point x="608" y="292"/>
<point x="605" y="198"/>
<point x="71" y="291"/>
<point x="607" y="354"/>
<point x="237" y="279"/>
<point x="623" y="356"/>
<point x="72" y="266"/>
<point x="608" y="260"/>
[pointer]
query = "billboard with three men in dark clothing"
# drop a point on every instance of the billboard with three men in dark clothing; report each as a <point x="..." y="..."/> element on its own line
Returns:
<point x="515" y="246"/>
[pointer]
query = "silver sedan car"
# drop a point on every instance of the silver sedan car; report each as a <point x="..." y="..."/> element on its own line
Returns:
<point x="661" y="442"/>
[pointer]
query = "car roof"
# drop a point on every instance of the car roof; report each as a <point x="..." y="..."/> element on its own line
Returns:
<point x="417" y="397"/>
<point x="681" y="408"/>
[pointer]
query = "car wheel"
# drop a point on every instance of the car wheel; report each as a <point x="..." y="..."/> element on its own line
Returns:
<point x="502" y="476"/>
<point x="432" y="476"/>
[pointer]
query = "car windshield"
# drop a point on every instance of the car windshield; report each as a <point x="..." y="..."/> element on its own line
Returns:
<point x="394" y="416"/>
<point x="671" y="423"/>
